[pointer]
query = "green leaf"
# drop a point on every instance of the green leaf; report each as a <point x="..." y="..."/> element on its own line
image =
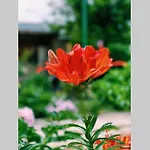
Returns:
<point x="72" y="134"/>
<point x="21" y="143"/>
<point x="88" y="135"/>
<point x="103" y="128"/>
<point x="76" y="143"/>
<point x="111" y="138"/>
<point x="84" y="141"/>
<point x="115" y="135"/>
<point x="99" y="145"/>
<point x="27" y="132"/>
<point x="34" y="147"/>
<point x="75" y="125"/>
<point x="108" y="123"/>
<point x="26" y="147"/>
<point x="49" y="148"/>
<point x="90" y="127"/>
<point x="92" y="124"/>
<point x="87" y="120"/>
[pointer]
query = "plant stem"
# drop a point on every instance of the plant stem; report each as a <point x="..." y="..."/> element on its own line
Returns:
<point x="83" y="109"/>
<point x="91" y="148"/>
<point x="91" y="144"/>
<point x="43" y="143"/>
<point x="82" y="102"/>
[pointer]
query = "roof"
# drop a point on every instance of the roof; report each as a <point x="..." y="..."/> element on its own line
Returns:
<point x="34" y="27"/>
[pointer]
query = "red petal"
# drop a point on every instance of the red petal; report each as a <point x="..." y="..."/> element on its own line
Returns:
<point x="97" y="142"/>
<point x="76" y="46"/>
<point x="103" y="64"/>
<point x="89" y="52"/>
<point x="57" y="71"/>
<point x="75" y="78"/>
<point x="119" y="63"/>
<point x="100" y="72"/>
<point x="75" y="60"/>
<point x="52" y="57"/>
<point x="40" y="69"/>
<point x="61" y="55"/>
<point x="103" y="59"/>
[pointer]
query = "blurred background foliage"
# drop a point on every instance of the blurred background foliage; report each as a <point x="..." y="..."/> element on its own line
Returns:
<point x="108" y="20"/>
<point x="35" y="92"/>
<point x="111" y="93"/>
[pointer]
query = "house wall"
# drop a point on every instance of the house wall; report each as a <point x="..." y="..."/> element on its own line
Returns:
<point x="35" y="46"/>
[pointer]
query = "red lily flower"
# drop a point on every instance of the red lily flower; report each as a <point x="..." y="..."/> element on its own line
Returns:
<point x="78" y="65"/>
<point x="110" y="143"/>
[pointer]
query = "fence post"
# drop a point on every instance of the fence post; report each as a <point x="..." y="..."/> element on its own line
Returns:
<point x="84" y="22"/>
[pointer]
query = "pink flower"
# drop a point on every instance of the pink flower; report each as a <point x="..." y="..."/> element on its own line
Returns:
<point x="27" y="114"/>
<point x="61" y="106"/>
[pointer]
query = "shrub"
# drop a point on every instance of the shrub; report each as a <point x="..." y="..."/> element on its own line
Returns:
<point x="35" y="92"/>
<point x="114" y="89"/>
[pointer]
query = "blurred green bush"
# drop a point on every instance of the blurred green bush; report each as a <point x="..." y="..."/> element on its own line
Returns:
<point x="35" y="92"/>
<point x="114" y="89"/>
<point x="108" y="20"/>
<point x="111" y="93"/>
<point x="119" y="51"/>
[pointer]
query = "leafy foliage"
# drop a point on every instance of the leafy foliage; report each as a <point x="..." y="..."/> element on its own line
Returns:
<point x="35" y="92"/>
<point x="28" y="139"/>
<point x="90" y="137"/>
<point x="29" y="133"/>
<point x="52" y="133"/>
<point x="109" y="93"/>
<point x="114" y="89"/>
<point x="63" y="115"/>
<point x="108" y="20"/>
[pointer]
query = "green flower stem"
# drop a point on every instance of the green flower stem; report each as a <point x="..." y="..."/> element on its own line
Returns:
<point x="90" y="143"/>
<point x="91" y="147"/>
<point x="82" y="100"/>
<point x="83" y="110"/>
<point x="43" y="143"/>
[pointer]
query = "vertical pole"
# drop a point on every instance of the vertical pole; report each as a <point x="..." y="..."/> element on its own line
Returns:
<point x="84" y="22"/>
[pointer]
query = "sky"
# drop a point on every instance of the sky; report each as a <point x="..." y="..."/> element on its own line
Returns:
<point x="32" y="11"/>
<point x="37" y="11"/>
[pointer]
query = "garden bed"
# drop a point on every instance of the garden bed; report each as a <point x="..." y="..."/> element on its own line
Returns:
<point x="120" y="119"/>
